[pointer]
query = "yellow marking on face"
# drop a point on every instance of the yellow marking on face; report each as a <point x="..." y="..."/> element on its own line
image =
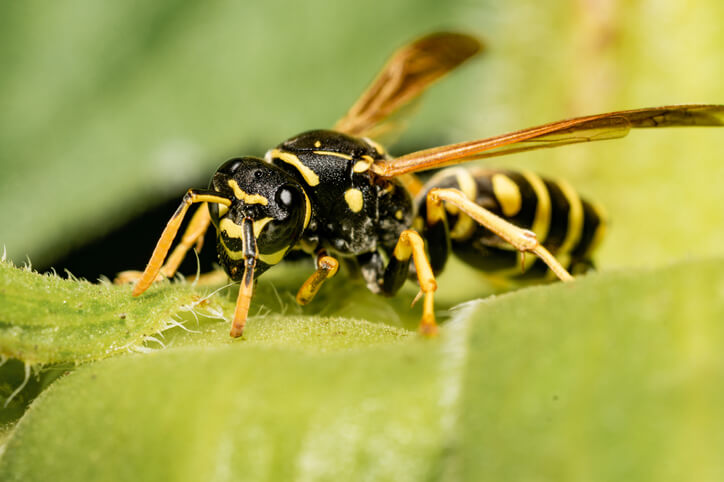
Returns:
<point x="335" y="154"/>
<point x="464" y="226"/>
<point x="600" y="232"/>
<point x="309" y="176"/>
<point x="361" y="166"/>
<point x="317" y="144"/>
<point x="542" y="218"/>
<point x="246" y="197"/>
<point x="235" y="255"/>
<point x="575" y="217"/>
<point x="273" y="258"/>
<point x="259" y="224"/>
<point x="507" y="193"/>
<point x="399" y="215"/>
<point x="354" y="199"/>
<point x="234" y="231"/>
<point x="223" y="210"/>
<point x="231" y="229"/>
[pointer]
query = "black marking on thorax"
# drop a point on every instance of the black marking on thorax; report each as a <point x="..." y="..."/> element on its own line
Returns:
<point x="345" y="194"/>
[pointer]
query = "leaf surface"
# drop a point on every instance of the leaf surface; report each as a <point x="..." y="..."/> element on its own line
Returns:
<point x="613" y="376"/>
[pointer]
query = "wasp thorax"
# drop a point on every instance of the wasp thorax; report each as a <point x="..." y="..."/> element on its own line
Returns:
<point x="265" y="196"/>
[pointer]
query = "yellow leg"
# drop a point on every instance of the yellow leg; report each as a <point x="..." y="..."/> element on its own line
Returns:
<point x="169" y="233"/>
<point x="521" y="239"/>
<point x="411" y="244"/>
<point x="194" y="234"/>
<point x="326" y="268"/>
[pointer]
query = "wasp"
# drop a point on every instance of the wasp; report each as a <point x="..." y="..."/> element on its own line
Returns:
<point x="338" y="196"/>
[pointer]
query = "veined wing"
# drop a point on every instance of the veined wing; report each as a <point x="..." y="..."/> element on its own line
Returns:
<point x="611" y="125"/>
<point x="409" y="72"/>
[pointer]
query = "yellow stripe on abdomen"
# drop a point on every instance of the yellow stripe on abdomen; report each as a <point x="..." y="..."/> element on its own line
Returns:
<point x="575" y="217"/>
<point x="542" y="218"/>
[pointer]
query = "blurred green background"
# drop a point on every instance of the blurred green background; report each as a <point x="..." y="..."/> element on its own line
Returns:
<point x="108" y="108"/>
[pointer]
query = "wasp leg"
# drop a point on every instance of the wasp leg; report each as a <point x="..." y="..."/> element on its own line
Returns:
<point x="521" y="239"/>
<point x="410" y="244"/>
<point x="326" y="268"/>
<point x="129" y="276"/>
<point x="153" y="267"/>
<point x="215" y="277"/>
<point x="194" y="234"/>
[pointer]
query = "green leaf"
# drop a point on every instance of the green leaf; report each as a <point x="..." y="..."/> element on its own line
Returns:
<point x="614" y="376"/>
<point x="48" y="320"/>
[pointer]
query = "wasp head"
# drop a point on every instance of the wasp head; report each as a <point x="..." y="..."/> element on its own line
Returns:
<point x="268" y="213"/>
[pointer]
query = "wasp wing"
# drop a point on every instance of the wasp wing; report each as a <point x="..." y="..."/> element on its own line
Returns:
<point x="612" y="125"/>
<point x="410" y="71"/>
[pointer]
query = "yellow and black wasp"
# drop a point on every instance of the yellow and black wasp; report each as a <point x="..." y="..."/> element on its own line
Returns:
<point x="337" y="194"/>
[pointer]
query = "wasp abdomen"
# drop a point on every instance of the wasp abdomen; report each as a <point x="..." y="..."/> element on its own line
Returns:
<point x="567" y="225"/>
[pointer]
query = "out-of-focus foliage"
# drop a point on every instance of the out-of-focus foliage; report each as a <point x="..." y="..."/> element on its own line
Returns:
<point x="108" y="107"/>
